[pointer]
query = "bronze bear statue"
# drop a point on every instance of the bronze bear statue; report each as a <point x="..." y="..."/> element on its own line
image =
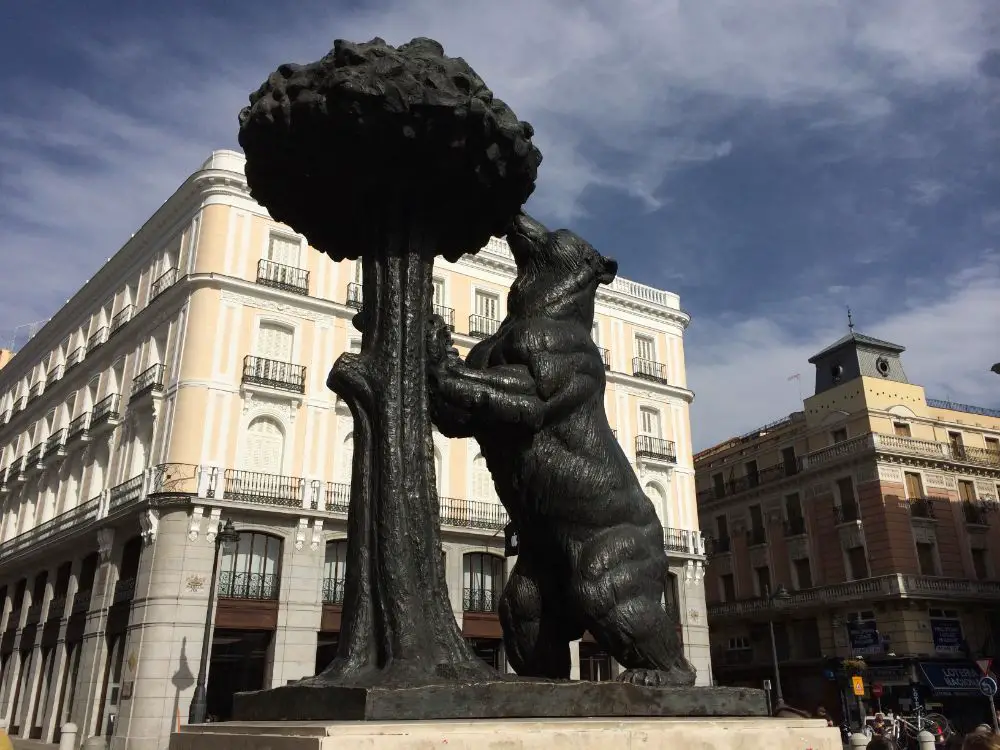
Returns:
<point x="591" y="555"/>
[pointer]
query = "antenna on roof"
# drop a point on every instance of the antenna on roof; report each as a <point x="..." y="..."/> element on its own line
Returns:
<point x="850" y="320"/>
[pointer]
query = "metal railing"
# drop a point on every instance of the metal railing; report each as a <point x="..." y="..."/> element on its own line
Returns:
<point x="162" y="283"/>
<point x="150" y="380"/>
<point x="678" y="540"/>
<point x="647" y="369"/>
<point x="795" y="526"/>
<point x="337" y="496"/>
<point x="73" y="518"/>
<point x="921" y="507"/>
<point x="75" y="357"/>
<point x="262" y="489"/>
<point x="605" y="357"/>
<point x="480" y="600"/>
<point x="36" y="390"/>
<point x="34" y="457"/>
<point x="355" y="297"/>
<point x="122" y="317"/>
<point x="473" y="514"/>
<point x="97" y="338"/>
<point x="846" y="513"/>
<point x="281" y="376"/>
<point x="975" y="513"/>
<point x="57" y="608"/>
<point x="448" y="314"/>
<point x="125" y="493"/>
<point x="54" y="373"/>
<point x="124" y="591"/>
<point x="261" y="586"/>
<point x="333" y="590"/>
<point x="105" y="410"/>
<point x="480" y="326"/>
<point x="78" y="426"/>
<point x="81" y="602"/>
<point x="647" y="446"/>
<point x="56" y="442"/>
<point x="280" y="276"/>
<point x="756" y="537"/>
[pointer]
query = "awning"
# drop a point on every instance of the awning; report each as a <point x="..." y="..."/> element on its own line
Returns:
<point x="952" y="678"/>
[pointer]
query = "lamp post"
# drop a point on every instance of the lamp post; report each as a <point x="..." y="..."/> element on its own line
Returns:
<point x="780" y="594"/>
<point x="226" y="539"/>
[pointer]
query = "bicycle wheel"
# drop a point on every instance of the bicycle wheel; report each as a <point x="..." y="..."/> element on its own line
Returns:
<point x="936" y="721"/>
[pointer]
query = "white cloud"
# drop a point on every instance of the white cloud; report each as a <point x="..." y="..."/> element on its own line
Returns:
<point x="951" y="331"/>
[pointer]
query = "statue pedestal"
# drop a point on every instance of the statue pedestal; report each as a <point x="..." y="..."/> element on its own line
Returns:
<point x="516" y="734"/>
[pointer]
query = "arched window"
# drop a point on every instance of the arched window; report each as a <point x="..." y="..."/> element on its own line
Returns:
<point x="274" y="342"/>
<point x="659" y="499"/>
<point x="483" y="488"/>
<point x="335" y="572"/>
<point x="253" y="570"/>
<point x="264" y="449"/>
<point x="482" y="581"/>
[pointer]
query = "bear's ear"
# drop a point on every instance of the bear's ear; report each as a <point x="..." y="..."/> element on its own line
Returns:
<point x="610" y="270"/>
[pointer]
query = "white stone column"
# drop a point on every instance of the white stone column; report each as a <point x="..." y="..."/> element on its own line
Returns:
<point x="300" y="611"/>
<point x="574" y="660"/>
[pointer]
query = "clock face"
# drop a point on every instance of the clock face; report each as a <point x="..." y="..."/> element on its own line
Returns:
<point x="837" y="372"/>
<point x="882" y="365"/>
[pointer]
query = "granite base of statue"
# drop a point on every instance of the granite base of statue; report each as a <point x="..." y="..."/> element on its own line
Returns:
<point x="395" y="156"/>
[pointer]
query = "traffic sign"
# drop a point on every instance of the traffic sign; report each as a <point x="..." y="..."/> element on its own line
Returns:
<point x="988" y="687"/>
<point x="984" y="665"/>
<point x="877" y="690"/>
<point x="859" y="685"/>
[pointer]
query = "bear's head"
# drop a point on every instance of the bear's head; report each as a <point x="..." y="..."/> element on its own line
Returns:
<point x="557" y="272"/>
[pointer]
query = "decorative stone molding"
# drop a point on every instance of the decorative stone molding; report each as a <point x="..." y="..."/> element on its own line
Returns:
<point x="282" y="308"/>
<point x="817" y="490"/>
<point x="890" y="474"/>
<point x="985" y="489"/>
<point x="105" y="543"/>
<point x="212" y="529"/>
<point x="925" y="534"/>
<point x="194" y="525"/>
<point x="285" y="407"/>
<point x="694" y="573"/>
<point x="317" y="534"/>
<point x="933" y="479"/>
<point x="798" y="548"/>
<point x="300" y="533"/>
<point x="149" y="522"/>
<point x="866" y="474"/>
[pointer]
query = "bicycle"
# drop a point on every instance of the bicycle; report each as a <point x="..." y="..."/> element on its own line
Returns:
<point x="904" y="729"/>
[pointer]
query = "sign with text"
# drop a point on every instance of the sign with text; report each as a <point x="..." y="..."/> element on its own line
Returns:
<point x="952" y="678"/>
<point x="864" y="637"/>
<point x="947" y="635"/>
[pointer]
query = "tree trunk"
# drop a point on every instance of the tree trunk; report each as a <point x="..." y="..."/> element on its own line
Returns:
<point x="398" y="628"/>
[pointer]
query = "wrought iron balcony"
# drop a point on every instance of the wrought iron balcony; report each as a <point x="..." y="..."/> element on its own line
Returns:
<point x="34" y="613"/>
<point x="81" y="602"/>
<point x="281" y="376"/>
<point x="126" y="493"/>
<point x="605" y="357"/>
<point x="75" y="357"/>
<point x="122" y="317"/>
<point x="333" y="590"/>
<point x="473" y="514"/>
<point x="448" y="313"/>
<point x="97" y="339"/>
<point x="647" y="369"/>
<point x="7" y="415"/>
<point x="647" y="446"/>
<point x="163" y="282"/>
<point x="795" y="526"/>
<point x="480" y="600"/>
<point x="56" y="444"/>
<point x="34" y="457"/>
<point x="36" y="390"/>
<point x="354" y="296"/>
<point x="846" y="513"/>
<point x="124" y="591"/>
<point x="480" y="326"/>
<point x="64" y="522"/>
<point x="280" y="276"/>
<point x="149" y="380"/>
<point x="106" y="411"/>
<point x="78" y="427"/>
<point x="57" y="608"/>
<point x="682" y="540"/>
<point x="54" y="373"/>
<point x="976" y="514"/>
<point x="262" y="489"/>
<point x="338" y="496"/>
<point x="921" y="507"/>
<point x="260" y="586"/>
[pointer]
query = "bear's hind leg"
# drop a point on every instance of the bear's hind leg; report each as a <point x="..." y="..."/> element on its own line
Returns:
<point x="536" y="634"/>
<point x="620" y="585"/>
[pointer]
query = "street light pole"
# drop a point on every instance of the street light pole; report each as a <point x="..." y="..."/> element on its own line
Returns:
<point x="225" y="538"/>
<point x="780" y="594"/>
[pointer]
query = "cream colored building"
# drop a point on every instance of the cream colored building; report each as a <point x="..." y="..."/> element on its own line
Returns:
<point x="185" y="384"/>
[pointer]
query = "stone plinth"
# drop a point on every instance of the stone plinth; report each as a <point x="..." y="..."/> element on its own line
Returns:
<point x="515" y="734"/>
<point x="311" y="700"/>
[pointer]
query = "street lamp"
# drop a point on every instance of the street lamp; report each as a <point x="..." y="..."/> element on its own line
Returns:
<point x="781" y="594"/>
<point x="226" y="539"/>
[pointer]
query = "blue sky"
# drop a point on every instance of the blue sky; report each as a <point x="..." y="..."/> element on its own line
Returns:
<point x="772" y="161"/>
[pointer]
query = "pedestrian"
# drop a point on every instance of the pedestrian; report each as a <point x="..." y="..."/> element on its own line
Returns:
<point x="981" y="741"/>
<point x="881" y="742"/>
<point x="822" y="714"/>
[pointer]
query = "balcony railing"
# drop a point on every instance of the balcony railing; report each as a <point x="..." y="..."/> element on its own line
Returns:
<point x="122" y="317"/>
<point x="163" y="282"/>
<point x="333" y="590"/>
<point x="846" y="513"/>
<point x="81" y="514"/>
<point x="34" y="457"/>
<point x="473" y="514"/>
<point x="902" y="445"/>
<point x="56" y="442"/>
<point x="97" y="338"/>
<point x="57" y="608"/>
<point x="125" y="493"/>
<point x="75" y="357"/>
<point x="480" y="326"/>
<point x="605" y="357"/>
<point x="480" y="600"/>
<point x="36" y="390"/>
<point x="795" y="526"/>
<point x="895" y="585"/>
<point x="34" y="613"/>
<point x="737" y="485"/>
<point x="54" y="373"/>
<point x="975" y="513"/>
<point x="338" y="496"/>
<point x="124" y="591"/>
<point x="756" y="537"/>
<point x="6" y="416"/>
<point x="355" y="297"/>
<point x="684" y="541"/>
<point x="78" y="427"/>
<point x="281" y="376"/>
<point x="81" y="602"/>
<point x="263" y="489"/>
<point x="149" y="380"/>
<point x="647" y="369"/>
<point x="921" y="507"/>
<point x="279" y="276"/>
<point x="261" y="586"/>
<point x="647" y="446"/>
<point x="447" y="314"/>
<point x="105" y="411"/>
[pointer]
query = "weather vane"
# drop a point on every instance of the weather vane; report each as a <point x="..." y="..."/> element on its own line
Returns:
<point x="850" y="320"/>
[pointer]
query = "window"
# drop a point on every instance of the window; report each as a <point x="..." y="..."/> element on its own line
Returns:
<point x="354" y="346"/>
<point x="752" y="474"/>
<point x="483" y="488"/>
<point x="914" y="486"/>
<point x="482" y="581"/>
<point x="946" y="630"/>
<point x="252" y="570"/>
<point x="595" y="333"/>
<point x="722" y="528"/>
<point x="763" y="574"/>
<point x="487" y="305"/>
<point x="758" y="534"/>
<point x="857" y="563"/>
<point x="659" y="500"/>
<point x="839" y="436"/>
<point x="993" y="446"/>
<point x="902" y="429"/>
<point x="728" y="585"/>
<point x="335" y="572"/>
<point x="649" y="421"/>
<point x="957" y="445"/>
<point x="718" y="485"/>
<point x="927" y="558"/>
<point x="848" y="503"/>
<point x="803" y="573"/>
<point x="275" y="342"/>
<point x="439" y="292"/>
<point x="966" y="491"/>
<point x="789" y="461"/>
<point x="979" y="564"/>
<point x="264" y="448"/>
<point x="645" y="347"/>
<point x="283" y="250"/>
